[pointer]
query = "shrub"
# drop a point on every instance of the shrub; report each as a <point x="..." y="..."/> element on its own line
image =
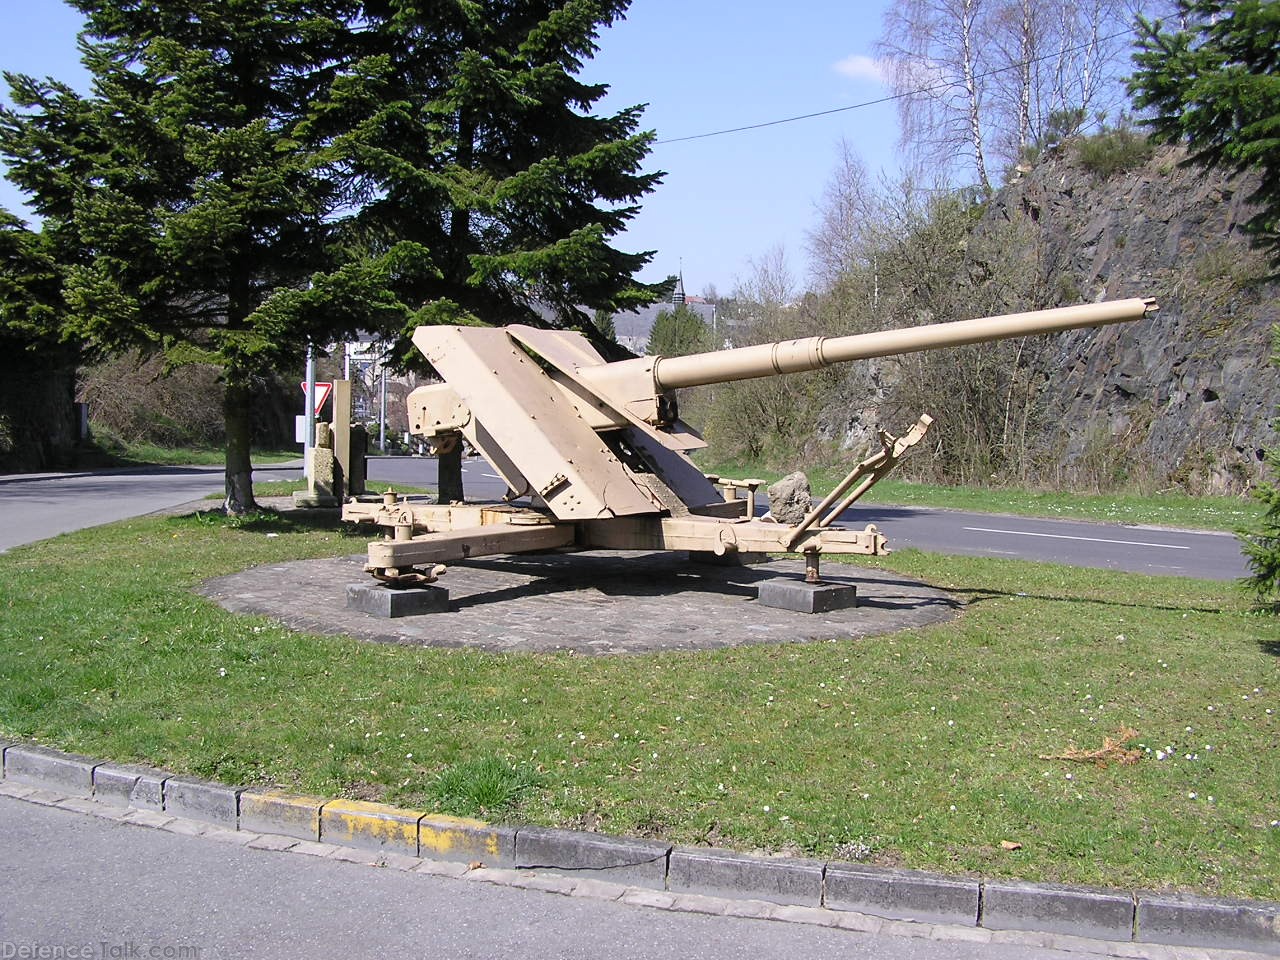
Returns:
<point x="1113" y="151"/>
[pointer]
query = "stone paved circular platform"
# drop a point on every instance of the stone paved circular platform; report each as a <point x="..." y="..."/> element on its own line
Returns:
<point x="588" y="603"/>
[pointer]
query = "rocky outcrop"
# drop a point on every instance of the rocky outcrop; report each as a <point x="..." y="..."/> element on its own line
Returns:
<point x="1187" y="397"/>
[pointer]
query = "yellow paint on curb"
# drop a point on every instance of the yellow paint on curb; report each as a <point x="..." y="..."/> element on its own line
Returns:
<point x="274" y="811"/>
<point x="361" y="823"/>
<point x="370" y="825"/>
<point x="450" y="837"/>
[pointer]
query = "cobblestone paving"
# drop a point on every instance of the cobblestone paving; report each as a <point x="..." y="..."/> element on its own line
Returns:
<point x="589" y="603"/>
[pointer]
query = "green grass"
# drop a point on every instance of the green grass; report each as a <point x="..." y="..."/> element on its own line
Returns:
<point x="285" y="488"/>
<point x="483" y="786"/>
<point x="923" y="749"/>
<point x="146" y="454"/>
<point x="1170" y="509"/>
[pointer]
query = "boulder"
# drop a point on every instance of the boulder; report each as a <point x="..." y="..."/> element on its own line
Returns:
<point x="790" y="498"/>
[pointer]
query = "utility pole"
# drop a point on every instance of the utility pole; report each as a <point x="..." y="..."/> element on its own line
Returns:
<point x="309" y="429"/>
<point x="382" y="404"/>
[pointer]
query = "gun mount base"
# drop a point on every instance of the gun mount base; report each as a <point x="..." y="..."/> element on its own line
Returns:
<point x="804" y="597"/>
<point x="420" y="538"/>
<point x="389" y="603"/>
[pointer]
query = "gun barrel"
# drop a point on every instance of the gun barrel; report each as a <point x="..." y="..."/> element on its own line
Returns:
<point x="811" y="353"/>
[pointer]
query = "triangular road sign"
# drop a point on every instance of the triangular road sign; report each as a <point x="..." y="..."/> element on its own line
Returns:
<point x="323" y="390"/>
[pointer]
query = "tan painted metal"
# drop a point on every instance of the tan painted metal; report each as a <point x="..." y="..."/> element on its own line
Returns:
<point x="721" y="537"/>
<point x="448" y="545"/>
<point x="639" y="385"/>
<point x="526" y="422"/>
<point x="866" y="474"/>
<point x="792" y="356"/>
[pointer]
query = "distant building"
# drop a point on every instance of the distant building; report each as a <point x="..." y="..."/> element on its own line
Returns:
<point x="633" y="328"/>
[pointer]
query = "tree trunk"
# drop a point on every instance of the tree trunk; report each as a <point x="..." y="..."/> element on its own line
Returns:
<point x="236" y="406"/>
<point x="449" y="475"/>
<point x="968" y="66"/>
<point x="1026" y="49"/>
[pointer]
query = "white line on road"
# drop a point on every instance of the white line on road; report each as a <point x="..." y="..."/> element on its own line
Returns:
<point x="1062" y="536"/>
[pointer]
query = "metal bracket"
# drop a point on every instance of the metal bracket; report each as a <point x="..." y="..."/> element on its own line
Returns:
<point x="869" y="472"/>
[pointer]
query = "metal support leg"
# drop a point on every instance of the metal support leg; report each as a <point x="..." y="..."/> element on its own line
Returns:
<point x="811" y="567"/>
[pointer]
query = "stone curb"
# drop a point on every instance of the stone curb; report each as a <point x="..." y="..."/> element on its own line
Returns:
<point x="50" y="769"/>
<point x="1099" y="914"/>
<point x="203" y="800"/>
<point x="1238" y="924"/>
<point x="464" y="840"/>
<point x="370" y="826"/>
<point x="280" y="813"/>
<point x="129" y="786"/>
<point x="726" y="873"/>
<point x="903" y="894"/>
<point x="640" y="863"/>
<point x="649" y="873"/>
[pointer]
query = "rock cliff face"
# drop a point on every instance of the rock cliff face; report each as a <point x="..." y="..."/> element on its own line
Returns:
<point x="1186" y="397"/>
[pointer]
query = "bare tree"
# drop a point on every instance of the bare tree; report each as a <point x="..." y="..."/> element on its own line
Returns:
<point x="1084" y="56"/>
<point x="770" y="285"/>
<point x="934" y="51"/>
<point x="847" y="211"/>
<point x="770" y="418"/>
<point x="984" y="82"/>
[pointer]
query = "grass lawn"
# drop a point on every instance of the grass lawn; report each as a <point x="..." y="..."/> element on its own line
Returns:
<point x="929" y="748"/>
<point x="146" y="454"/>
<point x="286" y="488"/>
<point x="1171" y="509"/>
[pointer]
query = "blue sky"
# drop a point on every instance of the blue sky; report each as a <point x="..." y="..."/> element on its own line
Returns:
<point x="701" y="66"/>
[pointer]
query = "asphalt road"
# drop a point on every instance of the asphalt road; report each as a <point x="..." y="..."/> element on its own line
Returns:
<point x="38" y="506"/>
<point x="1153" y="550"/>
<point x="99" y="889"/>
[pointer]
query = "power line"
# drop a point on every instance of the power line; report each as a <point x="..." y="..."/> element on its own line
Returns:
<point x="892" y="97"/>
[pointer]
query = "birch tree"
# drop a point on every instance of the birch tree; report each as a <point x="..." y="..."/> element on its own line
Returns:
<point x="983" y="82"/>
<point x="935" y="53"/>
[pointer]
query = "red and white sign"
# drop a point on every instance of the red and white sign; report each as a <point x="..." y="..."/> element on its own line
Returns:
<point x="323" y="390"/>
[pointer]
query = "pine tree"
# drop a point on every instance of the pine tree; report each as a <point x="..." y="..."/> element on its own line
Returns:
<point x="247" y="177"/>
<point x="38" y="426"/>
<point x="467" y="130"/>
<point x="1215" y="84"/>
<point x="188" y="217"/>
<point x="677" y="333"/>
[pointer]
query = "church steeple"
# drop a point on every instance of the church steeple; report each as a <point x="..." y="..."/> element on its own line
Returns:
<point x="677" y="295"/>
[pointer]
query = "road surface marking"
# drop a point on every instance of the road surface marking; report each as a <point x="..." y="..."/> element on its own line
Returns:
<point x="1063" y="536"/>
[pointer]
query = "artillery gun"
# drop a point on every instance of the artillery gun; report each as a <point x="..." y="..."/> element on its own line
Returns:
<point x="600" y="451"/>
